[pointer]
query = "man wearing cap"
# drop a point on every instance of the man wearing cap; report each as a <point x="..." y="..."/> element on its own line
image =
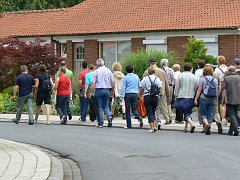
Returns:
<point x="164" y="92"/>
<point x="236" y="63"/>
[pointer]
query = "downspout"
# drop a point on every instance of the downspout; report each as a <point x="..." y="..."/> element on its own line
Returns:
<point x="235" y="43"/>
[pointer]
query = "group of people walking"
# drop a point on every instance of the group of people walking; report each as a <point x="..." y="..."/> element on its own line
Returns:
<point x="162" y="88"/>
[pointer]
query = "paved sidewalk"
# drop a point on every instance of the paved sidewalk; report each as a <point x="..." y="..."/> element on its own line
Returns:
<point x="22" y="161"/>
<point x="117" y="122"/>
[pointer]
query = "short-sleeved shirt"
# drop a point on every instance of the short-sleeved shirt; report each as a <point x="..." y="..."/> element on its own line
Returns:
<point x="203" y="82"/>
<point x="103" y="78"/>
<point x="69" y="74"/>
<point x="220" y="72"/>
<point x="41" y="77"/>
<point x="82" y="76"/>
<point x="146" y="83"/>
<point x="88" y="78"/>
<point x="25" y="83"/>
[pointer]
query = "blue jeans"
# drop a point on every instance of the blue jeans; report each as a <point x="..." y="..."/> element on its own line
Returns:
<point x="62" y="105"/>
<point x="151" y="103"/>
<point x="206" y="108"/>
<point x="21" y="101"/>
<point x="131" y="102"/>
<point x="102" y="96"/>
<point x="81" y="99"/>
<point x="185" y="105"/>
<point x="85" y="109"/>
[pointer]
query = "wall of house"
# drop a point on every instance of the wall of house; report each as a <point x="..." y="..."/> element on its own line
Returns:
<point x="222" y="42"/>
<point x="229" y="46"/>
<point x="91" y="47"/>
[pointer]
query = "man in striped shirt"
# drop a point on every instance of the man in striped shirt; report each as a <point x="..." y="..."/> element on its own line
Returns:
<point x="185" y="88"/>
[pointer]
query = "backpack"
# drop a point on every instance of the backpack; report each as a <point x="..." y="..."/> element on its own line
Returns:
<point x="46" y="84"/>
<point x="154" y="90"/>
<point x="211" y="88"/>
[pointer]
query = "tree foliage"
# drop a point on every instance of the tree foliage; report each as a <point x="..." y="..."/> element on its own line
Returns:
<point x="14" y="53"/>
<point x="21" y="5"/>
<point x="196" y="50"/>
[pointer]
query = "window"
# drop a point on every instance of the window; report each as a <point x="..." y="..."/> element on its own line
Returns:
<point x="64" y="50"/>
<point x="114" y="51"/>
<point x="80" y="52"/>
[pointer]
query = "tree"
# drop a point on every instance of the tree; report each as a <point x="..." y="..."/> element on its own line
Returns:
<point x="196" y="50"/>
<point x="23" y="5"/>
<point x="14" y="53"/>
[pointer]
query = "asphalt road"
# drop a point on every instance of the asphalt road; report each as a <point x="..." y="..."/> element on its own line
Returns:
<point x="129" y="154"/>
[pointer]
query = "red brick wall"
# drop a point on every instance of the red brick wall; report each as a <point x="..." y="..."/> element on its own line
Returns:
<point x="91" y="48"/>
<point x="175" y="44"/>
<point x="137" y="44"/>
<point x="229" y="46"/>
<point x="70" y="55"/>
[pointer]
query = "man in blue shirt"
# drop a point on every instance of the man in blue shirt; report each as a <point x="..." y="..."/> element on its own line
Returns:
<point x="129" y="92"/>
<point x="24" y="84"/>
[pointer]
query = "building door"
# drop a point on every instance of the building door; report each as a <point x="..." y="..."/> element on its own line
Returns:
<point x="78" y="57"/>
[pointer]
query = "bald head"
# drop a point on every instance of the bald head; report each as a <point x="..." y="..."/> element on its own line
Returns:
<point x="231" y="69"/>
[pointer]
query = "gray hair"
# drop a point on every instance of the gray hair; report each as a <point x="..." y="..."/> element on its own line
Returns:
<point x="164" y="62"/>
<point x="100" y="62"/>
<point x="23" y="68"/>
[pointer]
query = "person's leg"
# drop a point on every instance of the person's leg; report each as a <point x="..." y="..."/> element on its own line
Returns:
<point x="217" y="119"/>
<point x="169" y="107"/>
<point x="65" y="108"/>
<point x="81" y="105"/>
<point x="149" y="110"/>
<point x="232" y="116"/>
<point x="30" y="108"/>
<point x="98" y="95"/>
<point x="20" y="104"/>
<point x="105" y="101"/>
<point x="47" y="110"/>
<point x="163" y="108"/>
<point x="59" y="106"/>
<point x="128" y="111"/>
<point x="134" y="99"/>
<point x="85" y="110"/>
<point x="38" y="108"/>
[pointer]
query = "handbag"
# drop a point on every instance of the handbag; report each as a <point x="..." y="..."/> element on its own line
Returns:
<point x="141" y="107"/>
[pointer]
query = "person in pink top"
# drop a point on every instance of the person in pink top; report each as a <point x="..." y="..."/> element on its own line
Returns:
<point x="63" y="88"/>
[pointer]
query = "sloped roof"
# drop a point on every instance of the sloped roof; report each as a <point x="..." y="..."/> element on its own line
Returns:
<point x="118" y="16"/>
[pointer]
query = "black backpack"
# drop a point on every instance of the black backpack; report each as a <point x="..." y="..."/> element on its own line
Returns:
<point x="154" y="90"/>
<point x="46" y="84"/>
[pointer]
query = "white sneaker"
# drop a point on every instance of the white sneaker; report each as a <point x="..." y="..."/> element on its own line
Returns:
<point x="151" y="130"/>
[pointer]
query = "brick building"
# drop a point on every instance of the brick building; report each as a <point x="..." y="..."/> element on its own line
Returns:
<point x="111" y="29"/>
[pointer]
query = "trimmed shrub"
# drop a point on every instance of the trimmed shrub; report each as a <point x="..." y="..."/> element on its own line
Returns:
<point x="196" y="50"/>
<point x="140" y="60"/>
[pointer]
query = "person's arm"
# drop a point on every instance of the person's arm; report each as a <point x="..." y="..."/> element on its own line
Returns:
<point x="177" y="86"/>
<point x="123" y="88"/>
<point x="199" y="90"/>
<point x="36" y="83"/>
<point x="15" y="90"/>
<point x="56" y="85"/>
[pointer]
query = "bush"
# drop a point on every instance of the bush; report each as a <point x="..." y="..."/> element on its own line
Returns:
<point x="196" y="50"/>
<point x="140" y="60"/>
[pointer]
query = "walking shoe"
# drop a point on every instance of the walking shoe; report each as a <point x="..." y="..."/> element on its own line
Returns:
<point x="110" y="122"/>
<point x="14" y="120"/>
<point x="30" y="123"/>
<point x="166" y="123"/>
<point x="124" y="116"/>
<point x="236" y="133"/>
<point x="140" y="122"/>
<point x="158" y="126"/>
<point x="192" y="129"/>
<point x="170" y="120"/>
<point x="99" y="126"/>
<point x="220" y="130"/>
<point x="151" y="130"/>
<point x="154" y="129"/>
<point x="207" y="130"/>
<point x="69" y="116"/>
